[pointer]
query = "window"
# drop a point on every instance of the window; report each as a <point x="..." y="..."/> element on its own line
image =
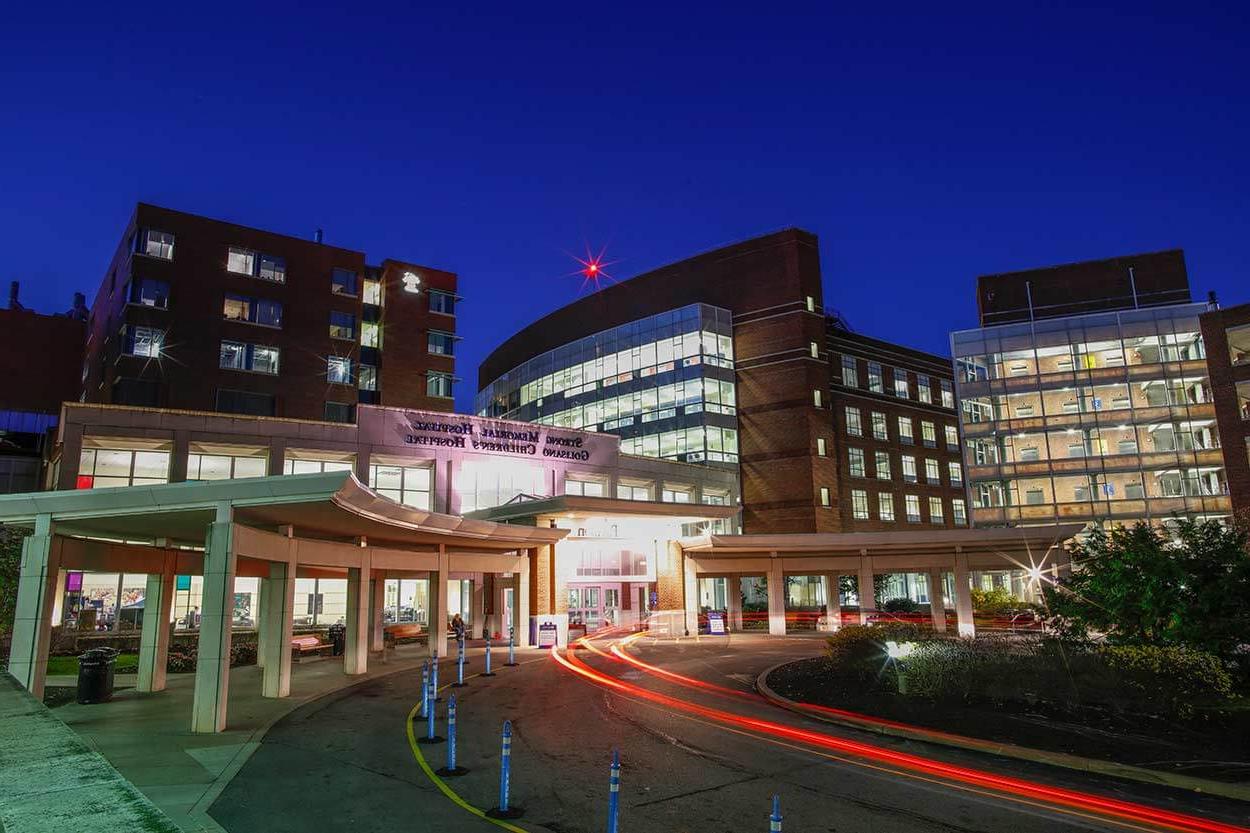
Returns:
<point x="913" y="509"/>
<point x="158" y="244"/>
<point x="922" y="388"/>
<point x="591" y="488"/>
<point x="245" y="402"/>
<point x="948" y="395"/>
<point x="850" y="371"/>
<point x="859" y="504"/>
<point x="935" y="510"/>
<point x="339" y="370"/>
<point x="879" y="430"/>
<point x="438" y="384"/>
<point x="143" y="341"/>
<point x="956" y="471"/>
<point x="370" y="334"/>
<point x="814" y="348"/>
<point x="820" y="447"/>
<point x="340" y="412"/>
<point x="959" y="511"/>
<point x="856" y="457"/>
<point x="882" y="464"/>
<point x="633" y="491"/>
<point x="874" y="377"/>
<point x="241" y="261"/>
<point x="885" y="506"/>
<point x="441" y="343"/>
<point x="342" y="325"/>
<point x="825" y="500"/>
<point x="367" y="378"/>
<point x="372" y="293"/>
<point x="909" y="468"/>
<point x="816" y="400"/>
<point x="904" y="430"/>
<point x="853" y="426"/>
<point x="102" y="468"/>
<point x="149" y="293"/>
<point x="301" y="465"/>
<point x="272" y="269"/>
<point x="1239" y="344"/>
<point x="409" y="485"/>
<point x="901" y="389"/>
<point x="811" y="304"/>
<point x="952" y="437"/>
<point x="343" y="282"/>
<point x="928" y="434"/>
<point x="442" y="302"/>
<point x="252" y="310"/>
<point x="202" y="466"/>
<point x="931" y="472"/>
<point x="258" y="358"/>
<point x="675" y="494"/>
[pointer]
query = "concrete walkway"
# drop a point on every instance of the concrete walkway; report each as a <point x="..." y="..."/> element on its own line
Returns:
<point x="148" y="738"/>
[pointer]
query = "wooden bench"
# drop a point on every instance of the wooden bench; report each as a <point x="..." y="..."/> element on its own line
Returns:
<point x="309" y="644"/>
<point x="405" y="632"/>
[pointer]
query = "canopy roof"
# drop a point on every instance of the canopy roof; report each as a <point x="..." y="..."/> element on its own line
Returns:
<point x="1038" y="539"/>
<point x="578" y="505"/>
<point x="331" y="505"/>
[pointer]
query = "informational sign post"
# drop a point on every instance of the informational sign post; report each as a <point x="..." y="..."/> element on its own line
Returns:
<point x="716" y="623"/>
<point x="548" y="634"/>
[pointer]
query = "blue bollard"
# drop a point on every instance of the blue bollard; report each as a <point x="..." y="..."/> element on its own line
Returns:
<point x="425" y="687"/>
<point x="460" y="683"/>
<point x="488" y="672"/>
<point x="511" y="648"/>
<point x="614" y="791"/>
<point x="774" y="821"/>
<point x="434" y="677"/>
<point x="504" y="810"/>
<point x="451" y="769"/>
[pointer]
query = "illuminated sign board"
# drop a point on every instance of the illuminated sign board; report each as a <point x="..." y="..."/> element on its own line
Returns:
<point x="412" y="281"/>
<point x="512" y="439"/>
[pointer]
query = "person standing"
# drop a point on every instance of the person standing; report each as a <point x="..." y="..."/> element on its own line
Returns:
<point x="457" y="627"/>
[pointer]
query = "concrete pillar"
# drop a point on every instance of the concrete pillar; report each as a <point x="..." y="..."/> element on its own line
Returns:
<point x="377" y="628"/>
<point x="362" y="464"/>
<point x="477" y="627"/>
<point x="690" y="594"/>
<point x="833" y="600"/>
<point x="937" y="607"/>
<point x="277" y="456"/>
<point x="212" y="669"/>
<point x="523" y="603"/>
<point x="776" y="597"/>
<point x="356" y="652"/>
<point x="158" y="601"/>
<point x="71" y="456"/>
<point x="963" y="596"/>
<point x="733" y="599"/>
<point x="438" y="603"/>
<point x="58" y="597"/>
<point x="32" y="624"/>
<point x="867" y="598"/>
<point x="262" y="625"/>
<point x="278" y="610"/>
<point x="178" y="457"/>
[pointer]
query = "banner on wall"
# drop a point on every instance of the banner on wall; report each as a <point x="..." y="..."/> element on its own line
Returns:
<point x="501" y="437"/>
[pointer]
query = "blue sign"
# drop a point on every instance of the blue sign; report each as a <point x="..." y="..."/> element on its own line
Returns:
<point x="654" y="599"/>
<point x="715" y="622"/>
<point x="182" y="582"/>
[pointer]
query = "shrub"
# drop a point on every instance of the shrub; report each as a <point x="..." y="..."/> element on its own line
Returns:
<point x="998" y="600"/>
<point x="180" y="661"/>
<point x="900" y="604"/>
<point x="858" y="651"/>
<point x="1173" y="680"/>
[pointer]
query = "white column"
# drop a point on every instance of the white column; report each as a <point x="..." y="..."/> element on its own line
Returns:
<point x="833" y="600"/>
<point x="733" y="598"/>
<point x="356" y="652"/>
<point x="478" y="627"/>
<point x="776" y="597"/>
<point x="158" y="601"/>
<point x="867" y="597"/>
<point x="212" y="668"/>
<point x="937" y="607"/>
<point x="377" y="627"/>
<point x="32" y="623"/>
<point x="523" y="602"/>
<point x="279" y="627"/>
<point x="963" y="596"/>
<point x="690" y="591"/>
<point x="438" y="603"/>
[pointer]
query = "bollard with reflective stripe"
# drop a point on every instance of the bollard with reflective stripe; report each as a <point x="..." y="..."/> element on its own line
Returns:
<point x="774" y="821"/>
<point x="430" y="737"/>
<point x="488" y="672"/>
<point x="451" y="769"/>
<point x="434" y="678"/>
<point x="511" y="647"/>
<point x="425" y="687"/>
<point x="614" y="791"/>
<point x="460" y="683"/>
<point x="505" y="810"/>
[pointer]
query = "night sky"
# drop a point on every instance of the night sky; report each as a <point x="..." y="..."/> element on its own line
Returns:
<point x="924" y="149"/>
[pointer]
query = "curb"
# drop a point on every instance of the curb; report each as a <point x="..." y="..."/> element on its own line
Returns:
<point x="1007" y="750"/>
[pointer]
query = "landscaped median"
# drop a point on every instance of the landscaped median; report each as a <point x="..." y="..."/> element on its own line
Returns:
<point x="50" y="779"/>
<point x="1161" y="716"/>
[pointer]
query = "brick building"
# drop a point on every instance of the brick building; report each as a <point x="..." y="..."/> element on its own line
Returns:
<point x="1226" y="333"/>
<point x="200" y="314"/>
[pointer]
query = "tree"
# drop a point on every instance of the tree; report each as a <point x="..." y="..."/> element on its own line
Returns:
<point x="1137" y="586"/>
<point x="10" y="568"/>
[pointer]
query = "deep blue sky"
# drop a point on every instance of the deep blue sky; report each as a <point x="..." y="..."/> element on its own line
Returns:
<point x="924" y="148"/>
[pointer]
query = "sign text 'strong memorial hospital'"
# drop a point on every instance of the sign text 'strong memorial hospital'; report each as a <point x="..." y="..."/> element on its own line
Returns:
<point x="510" y="438"/>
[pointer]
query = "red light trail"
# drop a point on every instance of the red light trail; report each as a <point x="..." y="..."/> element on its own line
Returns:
<point x="1124" y="811"/>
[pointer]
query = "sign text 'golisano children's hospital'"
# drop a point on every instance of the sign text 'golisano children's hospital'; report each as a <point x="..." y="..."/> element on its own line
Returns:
<point x="490" y="437"/>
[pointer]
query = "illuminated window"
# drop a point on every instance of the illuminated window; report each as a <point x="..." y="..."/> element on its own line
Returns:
<point x="676" y="494"/>
<point x="716" y="497"/>
<point x="258" y="358"/>
<point x="271" y="269"/>
<point x="149" y="293"/>
<point x="853" y="425"/>
<point x="438" y="384"/>
<point x="874" y="377"/>
<point x="909" y="468"/>
<point x="952" y="437"/>
<point x="252" y="310"/>
<point x="372" y="293"/>
<point x="101" y="468"/>
<point x="825" y="499"/>
<point x="815" y="349"/>
<point x="928" y="434"/>
<point x="885" y="506"/>
<point x="158" y="244"/>
<point x="935" y="510"/>
<point x="633" y="491"/>
<point x="367" y="377"/>
<point x="241" y="261"/>
<point x="584" y="487"/>
<point x="912" y="503"/>
<point x="482" y="484"/>
<point x="901" y="389"/>
<point x="306" y="463"/>
<point x="959" y="511"/>
<point x="859" y="504"/>
<point x="442" y="302"/>
<point x="820" y="447"/>
<point x="225" y="466"/>
<point x="441" y="343"/>
<point x="931" y="471"/>
<point x="409" y="485"/>
<point x="343" y="282"/>
<point x="904" y="430"/>
<point x="144" y="341"/>
<point x="948" y="395"/>
<point x="339" y="370"/>
<point x="370" y="334"/>
<point x="816" y="399"/>
<point x="342" y="325"/>
<point x="922" y="388"/>
<point x="879" y="431"/>
<point x="882" y="463"/>
<point x="811" y="304"/>
<point x="850" y="371"/>
<point x="855" y="456"/>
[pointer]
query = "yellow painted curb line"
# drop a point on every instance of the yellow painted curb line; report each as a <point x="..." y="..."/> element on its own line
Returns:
<point x="439" y="782"/>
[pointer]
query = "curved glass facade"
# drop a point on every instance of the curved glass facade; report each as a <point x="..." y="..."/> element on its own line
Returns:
<point x="664" y="384"/>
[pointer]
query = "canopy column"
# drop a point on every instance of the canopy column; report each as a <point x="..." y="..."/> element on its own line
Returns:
<point x="867" y="589"/>
<point x="212" y="668"/>
<point x="158" y="602"/>
<point x="377" y="628"/>
<point x="356" y="651"/>
<point x="36" y="590"/>
<point x="776" y="597"/>
<point x="278" y="610"/>
<point x="937" y="605"/>
<point x="438" y="603"/>
<point x="963" y="595"/>
<point x="690" y="594"/>
<point x="523" y="600"/>
<point x="833" y="600"/>
<point x="478" y="627"/>
<point x="733" y="601"/>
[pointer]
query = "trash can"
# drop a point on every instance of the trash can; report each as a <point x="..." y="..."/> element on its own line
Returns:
<point x="95" y="675"/>
<point x="338" y="638"/>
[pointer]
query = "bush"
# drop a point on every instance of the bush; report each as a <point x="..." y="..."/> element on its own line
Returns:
<point x="180" y="661"/>
<point x="901" y="604"/>
<point x="1177" y="680"/>
<point x="858" y="651"/>
<point x="998" y="600"/>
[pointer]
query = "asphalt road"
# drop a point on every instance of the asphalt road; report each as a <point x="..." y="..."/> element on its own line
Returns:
<point x="345" y="762"/>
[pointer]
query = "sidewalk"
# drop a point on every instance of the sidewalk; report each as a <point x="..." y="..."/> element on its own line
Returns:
<point x="147" y="737"/>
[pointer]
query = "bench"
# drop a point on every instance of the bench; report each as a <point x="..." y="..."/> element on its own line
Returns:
<point x="309" y="644"/>
<point x="406" y="633"/>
